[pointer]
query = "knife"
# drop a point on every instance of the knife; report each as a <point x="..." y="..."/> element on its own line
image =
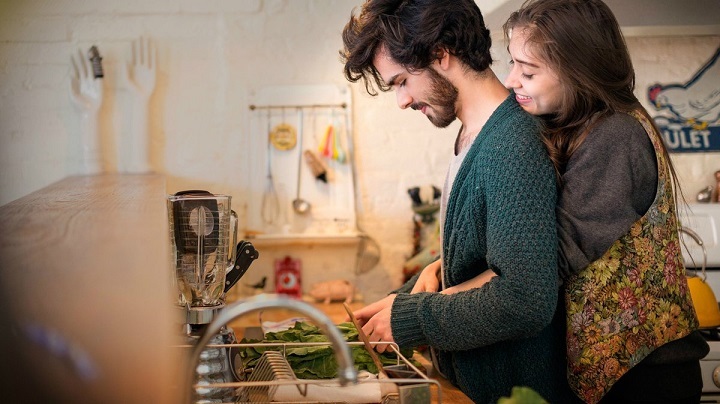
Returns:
<point x="245" y="254"/>
<point x="366" y="341"/>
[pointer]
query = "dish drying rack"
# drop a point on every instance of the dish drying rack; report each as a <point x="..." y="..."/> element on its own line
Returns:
<point x="406" y="383"/>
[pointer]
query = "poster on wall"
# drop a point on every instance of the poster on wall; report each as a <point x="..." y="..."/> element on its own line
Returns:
<point x="690" y="112"/>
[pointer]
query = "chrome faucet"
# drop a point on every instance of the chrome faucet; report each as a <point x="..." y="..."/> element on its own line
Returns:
<point x="699" y="241"/>
<point x="346" y="369"/>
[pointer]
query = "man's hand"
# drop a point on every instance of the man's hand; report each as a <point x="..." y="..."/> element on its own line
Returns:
<point x="375" y="321"/>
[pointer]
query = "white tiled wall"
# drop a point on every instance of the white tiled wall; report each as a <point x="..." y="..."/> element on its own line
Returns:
<point x="213" y="54"/>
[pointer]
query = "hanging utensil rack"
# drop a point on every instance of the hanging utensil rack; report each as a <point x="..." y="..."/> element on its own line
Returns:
<point x="273" y="370"/>
<point x="335" y="204"/>
<point x="332" y="199"/>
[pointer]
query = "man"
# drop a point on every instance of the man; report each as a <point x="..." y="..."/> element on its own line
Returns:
<point x="497" y="209"/>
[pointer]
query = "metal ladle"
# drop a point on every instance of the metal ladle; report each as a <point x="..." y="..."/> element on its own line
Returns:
<point x="300" y="205"/>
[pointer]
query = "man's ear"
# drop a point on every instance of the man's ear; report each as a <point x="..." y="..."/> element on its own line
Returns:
<point x="442" y="57"/>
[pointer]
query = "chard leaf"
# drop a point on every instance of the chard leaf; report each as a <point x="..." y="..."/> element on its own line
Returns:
<point x="317" y="362"/>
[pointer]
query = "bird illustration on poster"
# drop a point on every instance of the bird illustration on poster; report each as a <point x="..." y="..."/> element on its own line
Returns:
<point x="692" y="110"/>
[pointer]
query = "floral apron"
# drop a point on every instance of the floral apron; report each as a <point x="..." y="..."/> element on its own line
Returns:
<point x="633" y="299"/>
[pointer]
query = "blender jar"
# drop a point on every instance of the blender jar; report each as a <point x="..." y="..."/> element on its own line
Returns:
<point x="199" y="225"/>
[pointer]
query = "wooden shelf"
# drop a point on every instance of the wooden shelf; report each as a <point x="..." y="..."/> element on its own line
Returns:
<point x="286" y="239"/>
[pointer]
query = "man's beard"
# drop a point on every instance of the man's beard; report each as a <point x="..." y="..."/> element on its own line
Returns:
<point x="443" y="96"/>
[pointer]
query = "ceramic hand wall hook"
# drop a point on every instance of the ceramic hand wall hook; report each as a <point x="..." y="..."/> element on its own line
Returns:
<point x="139" y="76"/>
<point x="141" y="71"/>
<point x="86" y="92"/>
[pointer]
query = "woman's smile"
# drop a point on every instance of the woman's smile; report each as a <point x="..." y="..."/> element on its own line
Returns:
<point x="522" y="99"/>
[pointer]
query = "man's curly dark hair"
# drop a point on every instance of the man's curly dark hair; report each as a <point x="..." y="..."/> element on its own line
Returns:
<point x="414" y="32"/>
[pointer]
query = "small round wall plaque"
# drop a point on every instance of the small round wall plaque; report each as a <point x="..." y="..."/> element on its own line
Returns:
<point x="283" y="136"/>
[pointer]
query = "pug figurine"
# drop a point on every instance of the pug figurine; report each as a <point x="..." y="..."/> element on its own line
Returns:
<point x="334" y="290"/>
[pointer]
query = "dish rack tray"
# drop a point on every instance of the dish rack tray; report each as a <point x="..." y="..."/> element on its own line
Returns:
<point x="272" y="380"/>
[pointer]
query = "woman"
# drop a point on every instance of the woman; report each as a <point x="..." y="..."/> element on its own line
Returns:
<point x="631" y="326"/>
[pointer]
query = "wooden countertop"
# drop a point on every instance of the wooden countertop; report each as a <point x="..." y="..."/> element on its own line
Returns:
<point x="336" y="313"/>
<point x="84" y="293"/>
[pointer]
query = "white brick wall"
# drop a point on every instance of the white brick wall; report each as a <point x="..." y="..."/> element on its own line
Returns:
<point x="212" y="55"/>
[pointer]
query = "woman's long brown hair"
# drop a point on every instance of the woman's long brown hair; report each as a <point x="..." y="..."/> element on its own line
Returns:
<point x="581" y="41"/>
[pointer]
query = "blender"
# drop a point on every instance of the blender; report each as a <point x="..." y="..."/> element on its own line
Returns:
<point x="206" y="265"/>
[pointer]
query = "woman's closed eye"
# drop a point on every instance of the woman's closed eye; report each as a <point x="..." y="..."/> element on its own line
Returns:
<point x="524" y="75"/>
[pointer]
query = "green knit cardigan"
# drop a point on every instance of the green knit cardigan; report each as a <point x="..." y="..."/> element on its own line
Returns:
<point x="500" y="215"/>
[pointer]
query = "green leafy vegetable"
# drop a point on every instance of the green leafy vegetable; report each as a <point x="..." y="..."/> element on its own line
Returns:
<point x="316" y="362"/>
<point x="522" y="395"/>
